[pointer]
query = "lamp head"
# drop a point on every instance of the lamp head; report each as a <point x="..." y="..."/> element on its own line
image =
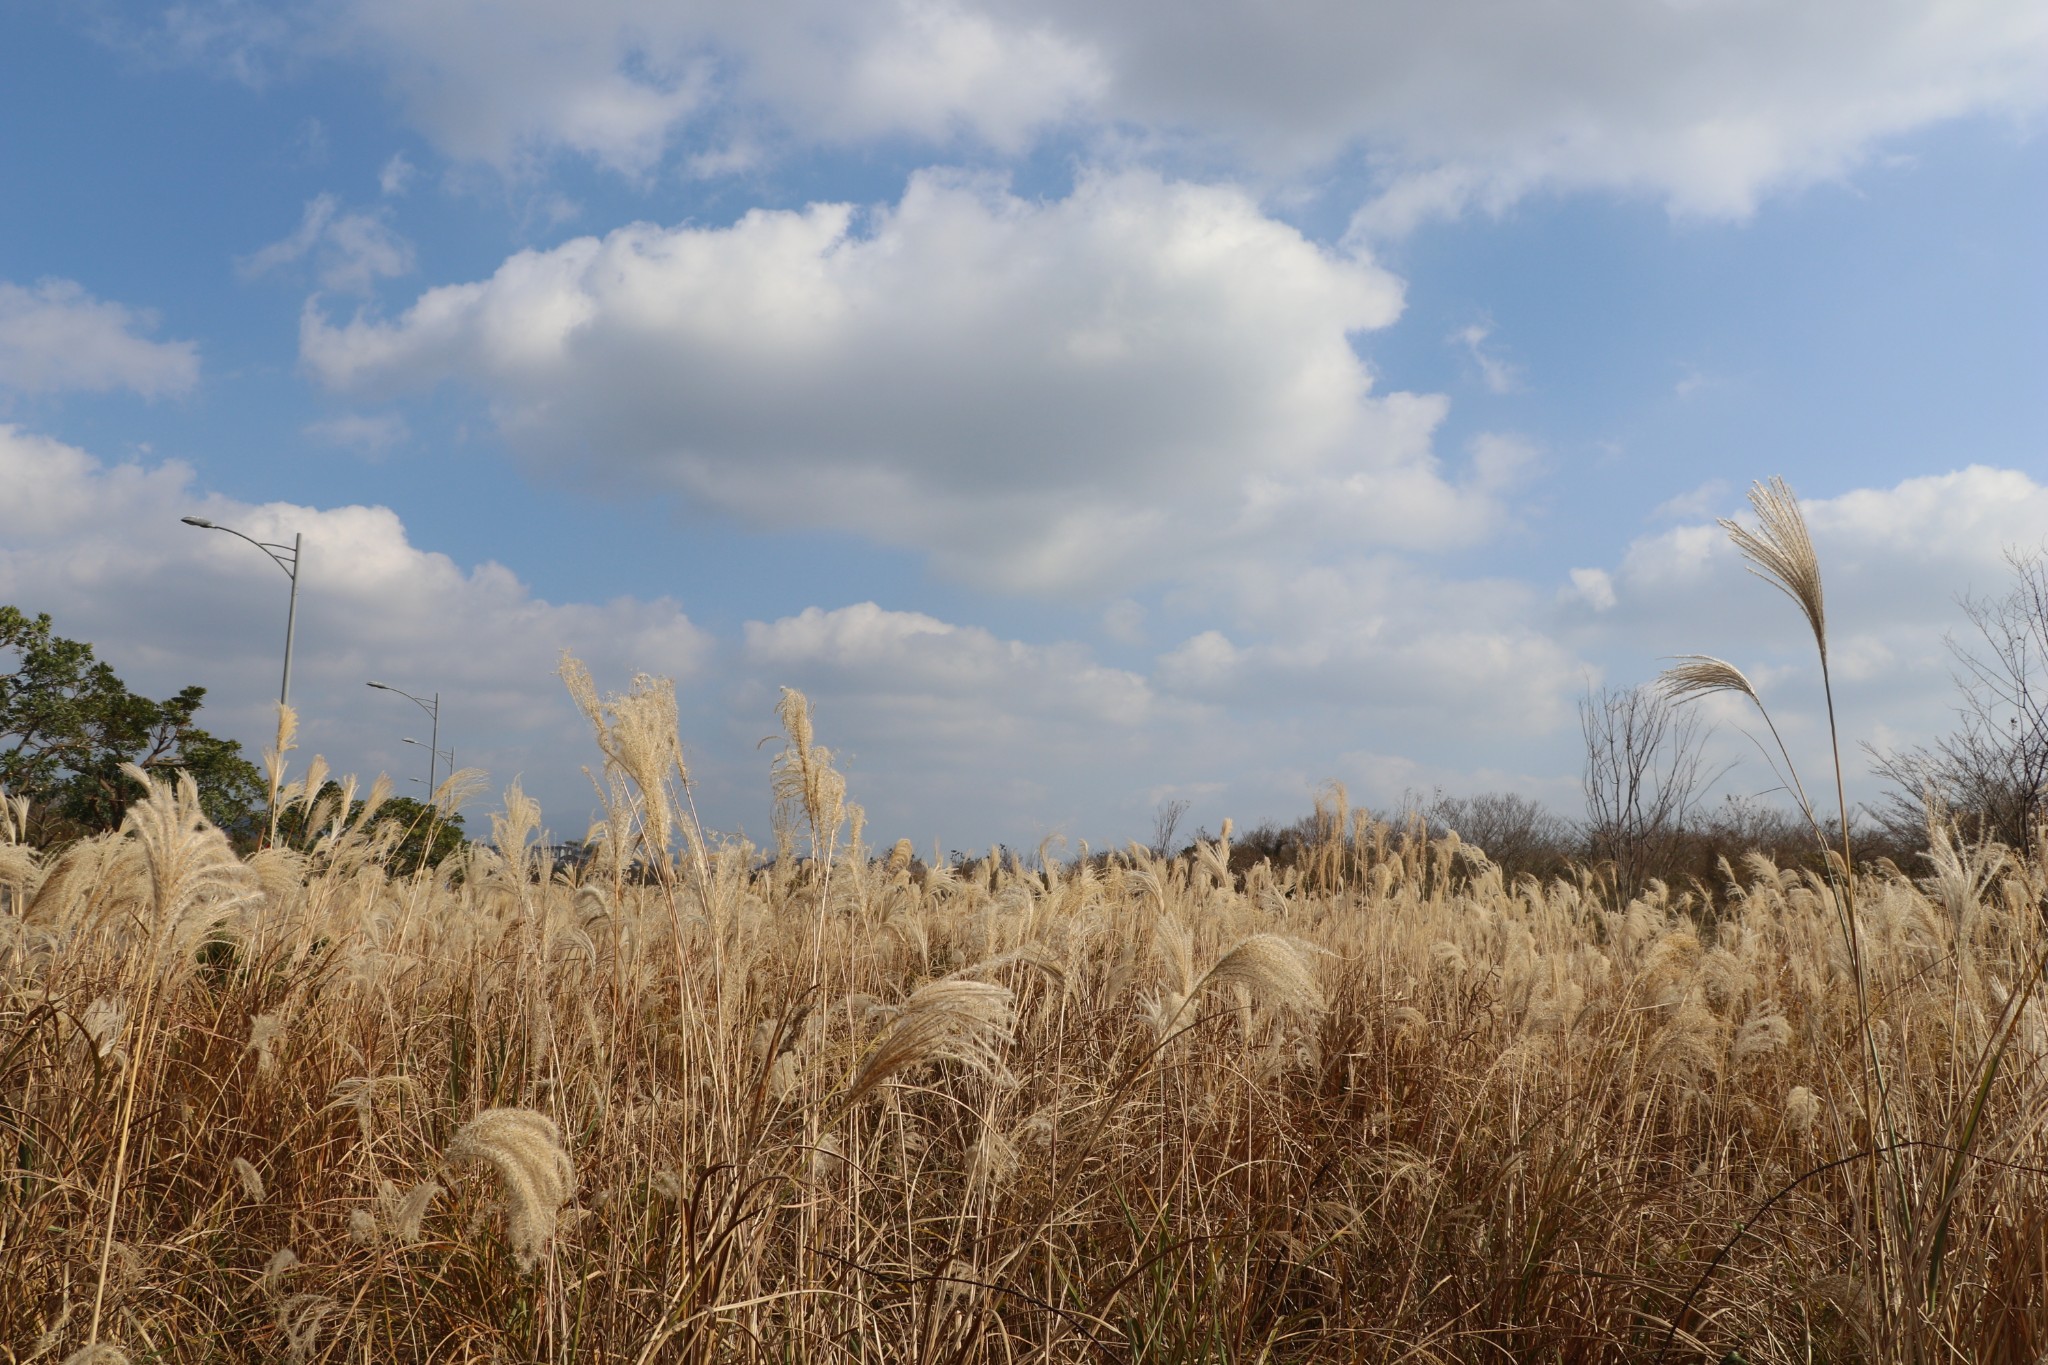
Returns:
<point x="378" y="685"/>
<point x="201" y="522"/>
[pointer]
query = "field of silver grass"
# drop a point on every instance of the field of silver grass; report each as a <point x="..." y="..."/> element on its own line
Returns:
<point x="702" y="1102"/>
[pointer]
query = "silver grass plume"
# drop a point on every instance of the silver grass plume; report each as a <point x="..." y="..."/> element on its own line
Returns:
<point x="99" y="1353"/>
<point x="960" y="1021"/>
<point x="101" y="1028"/>
<point x="1764" y="1032"/>
<point x="300" y="1318"/>
<point x="51" y="1335"/>
<point x="805" y="782"/>
<point x="281" y="1263"/>
<point x="1802" y="1107"/>
<point x="1781" y="553"/>
<point x="637" y="734"/>
<point x="1268" y="967"/>
<point x="400" y="1215"/>
<point x="525" y="1148"/>
<point x="1273" y="969"/>
<point x="191" y="866"/>
<point x="359" y="1093"/>
<point x="251" y="1179"/>
<point x="1697" y="675"/>
<point x="264" y="1031"/>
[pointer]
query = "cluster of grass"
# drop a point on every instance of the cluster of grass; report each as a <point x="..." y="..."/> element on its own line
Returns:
<point x="817" y="1104"/>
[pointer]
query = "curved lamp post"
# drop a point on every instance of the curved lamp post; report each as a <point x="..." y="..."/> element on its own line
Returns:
<point x="446" y="755"/>
<point x="433" y="710"/>
<point x="286" y="557"/>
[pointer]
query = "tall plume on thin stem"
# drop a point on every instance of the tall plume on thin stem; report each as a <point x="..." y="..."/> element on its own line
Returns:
<point x="1781" y="553"/>
<point x="636" y="732"/>
<point x="191" y="870"/>
<point x="274" y="761"/>
<point x="1700" y="675"/>
<point x="805" y="782"/>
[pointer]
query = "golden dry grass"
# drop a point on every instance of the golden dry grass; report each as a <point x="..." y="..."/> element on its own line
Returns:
<point x="1380" y="1108"/>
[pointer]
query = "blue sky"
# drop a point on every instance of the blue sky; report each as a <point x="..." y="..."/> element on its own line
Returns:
<point x="1086" y="407"/>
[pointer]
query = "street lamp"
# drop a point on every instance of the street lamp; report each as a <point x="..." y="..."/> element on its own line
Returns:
<point x="446" y="755"/>
<point x="433" y="710"/>
<point x="286" y="557"/>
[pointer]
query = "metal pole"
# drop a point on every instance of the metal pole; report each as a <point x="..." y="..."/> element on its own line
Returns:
<point x="434" y="746"/>
<point x="291" y="622"/>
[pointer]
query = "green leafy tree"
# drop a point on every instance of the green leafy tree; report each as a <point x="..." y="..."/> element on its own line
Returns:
<point x="68" y="723"/>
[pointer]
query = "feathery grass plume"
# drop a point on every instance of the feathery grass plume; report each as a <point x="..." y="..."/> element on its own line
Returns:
<point x="274" y="763"/>
<point x="359" y="1093"/>
<point x="1698" y="675"/>
<point x="1764" y="1032"/>
<point x="637" y="734"/>
<point x="1274" y="969"/>
<point x="281" y="1263"/>
<point x="300" y="1318"/>
<point x="525" y="1148"/>
<point x="805" y="783"/>
<point x="458" y="789"/>
<point x="362" y="1226"/>
<point x="100" y="1028"/>
<point x="1269" y="968"/>
<point x="1781" y="553"/>
<point x="1802" y="1108"/>
<point x="264" y="1032"/>
<point x="13" y="818"/>
<point x="400" y="1215"/>
<point x="959" y="1021"/>
<point x="828" y="1159"/>
<point x="513" y="829"/>
<point x="194" y="875"/>
<point x="99" y="1353"/>
<point x="251" y="1179"/>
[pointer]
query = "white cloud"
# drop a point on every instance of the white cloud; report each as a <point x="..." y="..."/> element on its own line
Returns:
<point x="1705" y="105"/>
<point x="1695" y="503"/>
<point x="1042" y="395"/>
<point x="54" y="336"/>
<point x="623" y="82"/>
<point x="947" y="730"/>
<point x="350" y="251"/>
<point x="1445" y="661"/>
<point x="929" y="668"/>
<point x="101" y="549"/>
<point x="1595" y="587"/>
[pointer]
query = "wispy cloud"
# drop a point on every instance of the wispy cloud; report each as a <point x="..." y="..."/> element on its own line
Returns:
<point x="1498" y="374"/>
<point x="54" y="336"/>
<point x="350" y="251"/>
